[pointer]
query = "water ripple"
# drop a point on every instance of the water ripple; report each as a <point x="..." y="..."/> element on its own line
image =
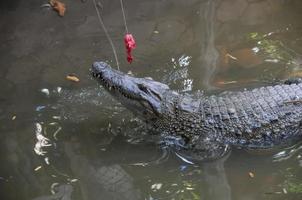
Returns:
<point x="41" y="142"/>
<point x="288" y="153"/>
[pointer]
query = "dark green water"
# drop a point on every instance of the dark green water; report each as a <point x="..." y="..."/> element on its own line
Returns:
<point x="78" y="143"/>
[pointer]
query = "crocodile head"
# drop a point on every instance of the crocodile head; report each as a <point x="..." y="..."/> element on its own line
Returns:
<point x="142" y="96"/>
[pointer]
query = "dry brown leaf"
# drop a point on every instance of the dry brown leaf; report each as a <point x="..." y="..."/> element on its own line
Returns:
<point x="226" y="82"/>
<point x="73" y="78"/>
<point x="58" y="6"/>
<point x="245" y="57"/>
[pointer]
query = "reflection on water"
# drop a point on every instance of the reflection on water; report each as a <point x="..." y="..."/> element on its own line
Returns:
<point x="109" y="181"/>
<point x="208" y="54"/>
<point x="64" y="140"/>
<point x="217" y="184"/>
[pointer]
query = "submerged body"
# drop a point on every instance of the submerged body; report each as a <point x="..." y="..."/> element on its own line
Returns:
<point x="258" y="118"/>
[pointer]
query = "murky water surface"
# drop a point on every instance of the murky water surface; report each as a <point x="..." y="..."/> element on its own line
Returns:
<point x="65" y="140"/>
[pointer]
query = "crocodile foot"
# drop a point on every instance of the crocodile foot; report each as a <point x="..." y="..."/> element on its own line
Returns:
<point x="293" y="81"/>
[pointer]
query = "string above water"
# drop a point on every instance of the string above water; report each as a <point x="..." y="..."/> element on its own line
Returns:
<point x="129" y="41"/>
<point x="106" y="33"/>
<point x="124" y="16"/>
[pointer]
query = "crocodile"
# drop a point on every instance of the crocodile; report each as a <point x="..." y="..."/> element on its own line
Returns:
<point x="209" y="125"/>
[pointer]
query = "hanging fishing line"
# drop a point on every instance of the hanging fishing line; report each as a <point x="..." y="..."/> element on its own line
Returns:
<point x="106" y="33"/>
<point x="124" y="17"/>
<point x="128" y="38"/>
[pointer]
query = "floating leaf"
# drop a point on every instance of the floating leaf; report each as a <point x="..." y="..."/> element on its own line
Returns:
<point x="38" y="168"/>
<point x="226" y="82"/>
<point x="58" y="6"/>
<point x="251" y="175"/>
<point x="254" y="35"/>
<point x="73" y="180"/>
<point x="73" y="78"/>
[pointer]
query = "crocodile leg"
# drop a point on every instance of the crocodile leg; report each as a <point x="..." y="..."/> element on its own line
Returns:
<point x="294" y="80"/>
<point x="203" y="149"/>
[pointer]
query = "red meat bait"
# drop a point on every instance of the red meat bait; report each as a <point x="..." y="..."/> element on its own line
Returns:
<point x="130" y="45"/>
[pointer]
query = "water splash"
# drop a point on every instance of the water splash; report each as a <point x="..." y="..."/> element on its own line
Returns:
<point x="79" y="104"/>
<point x="180" y="73"/>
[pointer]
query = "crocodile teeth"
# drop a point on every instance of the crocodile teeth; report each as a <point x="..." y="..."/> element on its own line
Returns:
<point x="110" y="88"/>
